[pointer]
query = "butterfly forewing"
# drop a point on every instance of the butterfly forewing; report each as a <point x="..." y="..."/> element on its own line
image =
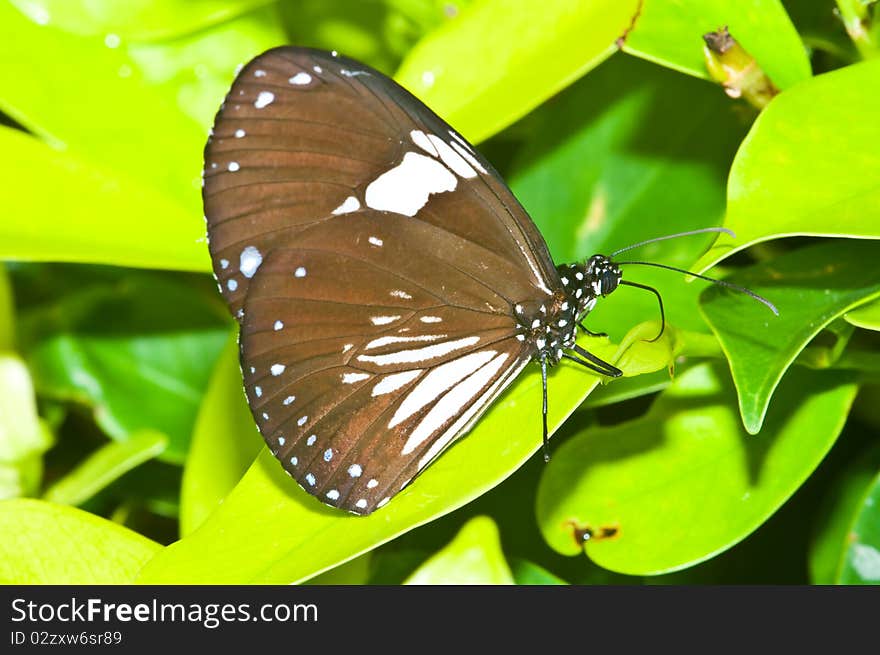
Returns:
<point x="373" y="258"/>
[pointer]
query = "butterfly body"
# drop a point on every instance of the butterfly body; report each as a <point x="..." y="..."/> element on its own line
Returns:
<point x="387" y="283"/>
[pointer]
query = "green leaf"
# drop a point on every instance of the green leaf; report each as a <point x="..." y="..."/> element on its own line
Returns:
<point x="136" y="20"/>
<point x="378" y="32"/>
<point x="685" y="481"/>
<point x="104" y="466"/>
<point x="865" y="316"/>
<point x="495" y="63"/>
<point x="862" y="558"/>
<point x="140" y="111"/>
<point x="353" y="572"/>
<point x="60" y="207"/>
<point x="811" y="287"/>
<point x="473" y="557"/>
<point x="23" y="439"/>
<point x="7" y="308"/>
<point x="799" y="173"/>
<point x="529" y="573"/>
<point x="670" y="32"/>
<point x="116" y="345"/>
<point x="638" y="141"/>
<point x="274" y="532"/>
<point x="224" y="444"/>
<point x="54" y="544"/>
<point x="844" y="501"/>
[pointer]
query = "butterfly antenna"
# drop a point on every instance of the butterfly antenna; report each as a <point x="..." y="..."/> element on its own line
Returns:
<point x="675" y="236"/>
<point x="721" y="283"/>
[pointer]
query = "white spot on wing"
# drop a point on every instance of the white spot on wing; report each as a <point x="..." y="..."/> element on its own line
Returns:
<point x="383" y="320"/>
<point x="233" y="166"/>
<point x="422" y="141"/>
<point x="361" y="504"/>
<point x="397" y="293"/>
<point x="333" y="494"/>
<point x="452" y="403"/>
<point x="405" y="188"/>
<point x="468" y="156"/>
<point x="300" y="79"/>
<point x="376" y="241"/>
<point x="250" y="261"/>
<point x="289" y="400"/>
<point x="231" y="284"/>
<point x="277" y="369"/>
<point x="372" y="484"/>
<point x="264" y="99"/>
<point x="395" y="381"/>
<point x="437" y="382"/>
<point x="300" y="272"/>
<point x="279" y="325"/>
<point x="350" y="204"/>
<point x="351" y="378"/>
<point x="239" y="133"/>
<point x="420" y="354"/>
<point x="384" y="341"/>
<point x="452" y="158"/>
<point x="355" y="470"/>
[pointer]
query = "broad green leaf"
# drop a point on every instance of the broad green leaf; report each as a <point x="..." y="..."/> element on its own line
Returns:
<point x="811" y="287"/>
<point x="865" y="316"/>
<point x="499" y="59"/>
<point x="799" y="173"/>
<point x="670" y="32"/>
<point x="473" y="557"/>
<point x="136" y="20"/>
<point x="108" y="112"/>
<point x="7" y="308"/>
<point x="104" y="466"/>
<point x="685" y="481"/>
<point x="378" y="32"/>
<point x="221" y="452"/>
<point x="60" y="207"/>
<point x="137" y="348"/>
<point x="23" y="439"/>
<point x="268" y="530"/>
<point x="353" y="572"/>
<point x="529" y="573"/>
<point x="862" y="560"/>
<point x="142" y="110"/>
<point x="631" y="152"/>
<point x="42" y="543"/>
<point x="844" y="501"/>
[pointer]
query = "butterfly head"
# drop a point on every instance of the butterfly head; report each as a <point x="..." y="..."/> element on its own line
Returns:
<point x="601" y="275"/>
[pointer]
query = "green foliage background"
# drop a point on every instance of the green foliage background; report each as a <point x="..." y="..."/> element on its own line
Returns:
<point x="740" y="448"/>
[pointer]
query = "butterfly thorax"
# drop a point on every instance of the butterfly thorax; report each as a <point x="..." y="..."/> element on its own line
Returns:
<point x="551" y="327"/>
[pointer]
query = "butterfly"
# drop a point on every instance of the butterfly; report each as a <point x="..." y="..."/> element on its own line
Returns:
<point x="387" y="283"/>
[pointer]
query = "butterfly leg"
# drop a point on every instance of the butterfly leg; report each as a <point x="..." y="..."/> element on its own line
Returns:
<point x="544" y="407"/>
<point x="596" y="364"/>
<point x="590" y="332"/>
